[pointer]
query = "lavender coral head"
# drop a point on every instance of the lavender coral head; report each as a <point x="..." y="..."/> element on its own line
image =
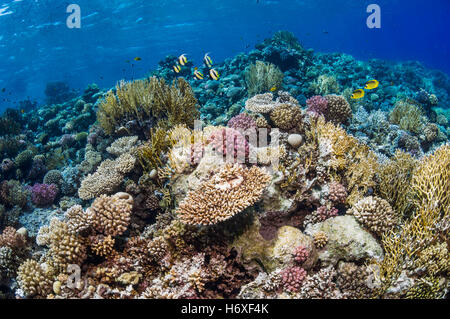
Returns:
<point x="242" y="122"/>
<point x="43" y="194"/>
<point x="317" y="105"/>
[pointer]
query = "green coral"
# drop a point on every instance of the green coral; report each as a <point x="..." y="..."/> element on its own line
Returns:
<point x="425" y="288"/>
<point x="263" y="77"/>
<point x="24" y="158"/>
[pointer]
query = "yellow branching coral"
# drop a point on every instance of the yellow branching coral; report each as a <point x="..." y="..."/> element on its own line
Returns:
<point x="408" y="115"/>
<point x="374" y="213"/>
<point x="394" y="185"/>
<point x="149" y="154"/>
<point x="102" y="245"/>
<point x="35" y="279"/>
<point x="434" y="259"/>
<point x="227" y="193"/>
<point x="425" y="288"/>
<point x="262" y="77"/>
<point x="107" y="178"/>
<point x="150" y="99"/>
<point x="431" y="181"/>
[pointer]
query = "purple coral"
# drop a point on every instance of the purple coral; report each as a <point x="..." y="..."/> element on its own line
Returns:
<point x="301" y="254"/>
<point x="324" y="212"/>
<point x="43" y="194"/>
<point x="337" y="193"/>
<point x="242" y="122"/>
<point x="317" y="105"/>
<point x="292" y="278"/>
<point x="229" y="141"/>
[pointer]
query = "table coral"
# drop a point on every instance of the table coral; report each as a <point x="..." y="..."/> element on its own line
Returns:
<point x="227" y="193"/>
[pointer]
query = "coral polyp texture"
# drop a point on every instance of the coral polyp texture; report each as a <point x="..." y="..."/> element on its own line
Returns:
<point x="286" y="187"/>
<point x="225" y="194"/>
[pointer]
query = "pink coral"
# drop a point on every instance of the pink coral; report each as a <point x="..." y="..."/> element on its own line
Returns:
<point x="292" y="278"/>
<point x="229" y="141"/>
<point x="301" y="254"/>
<point x="317" y="105"/>
<point x="43" y="194"/>
<point x="337" y="193"/>
<point x="242" y="122"/>
<point x="324" y="212"/>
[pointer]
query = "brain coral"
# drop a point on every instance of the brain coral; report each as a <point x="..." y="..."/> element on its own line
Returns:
<point x="107" y="177"/>
<point x="227" y="193"/>
<point x="338" y="110"/>
<point x="375" y="213"/>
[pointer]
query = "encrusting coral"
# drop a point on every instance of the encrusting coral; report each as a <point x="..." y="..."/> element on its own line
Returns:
<point x="227" y="193"/>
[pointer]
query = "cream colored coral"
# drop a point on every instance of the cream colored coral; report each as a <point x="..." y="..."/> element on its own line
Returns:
<point x="320" y="239"/>
<point x="107" y="177"/>
<point x="375" y="213"/>
<point x="123" y="145"/>
<point x="34" y="279"/>
<point x="102" y="245"/>
<point x="77" y="219"/>
<point x="227" y="193"/>
<point x="111" y="214"/>
<point x="261" y="103"/>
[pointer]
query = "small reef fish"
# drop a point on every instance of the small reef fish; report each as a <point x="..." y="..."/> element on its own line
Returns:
<point x="214" y="74"/>
<point x="177" y="68"/>
<point x="137" y="59"/>
<point x="208" y="61"/>
<point x="198" y="75"/>
<point x="273" y="89"/>
<point x="182" y="59"/>
<point x="357" y="94"/>
<point x="372" y="84"/>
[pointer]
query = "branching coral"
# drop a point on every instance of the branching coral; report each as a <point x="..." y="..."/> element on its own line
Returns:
<point x="227" y="193"/>
<point x="292" y="278"/>
<point x="34" y="279"/>
<point x="407" y="114"/>
<point x="122" y="145"/>
<point x="262" y="77"/>
<point x="374" y="213"/>
<point x="338" y="109"/>
<point x="144" y="100"/>
<point x="394" y="184"/>
<point x="286" y="116"/>
<point x="107" y="177"/>
<point x="324" y="84"/>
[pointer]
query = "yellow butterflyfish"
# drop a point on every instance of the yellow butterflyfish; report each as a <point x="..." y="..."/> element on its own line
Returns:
<point x="358" y="94"/>
<point x="372" y="84"/>
<point x="273" y="89"/>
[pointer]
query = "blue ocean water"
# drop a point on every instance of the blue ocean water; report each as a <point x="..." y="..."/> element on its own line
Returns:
<point x="37" y="47"/>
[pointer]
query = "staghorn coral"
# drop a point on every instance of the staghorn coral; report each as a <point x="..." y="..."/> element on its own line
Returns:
<point x="107" y="177"/>
<point x="338" y="110"/>
<point x="110" y="215"/>
<point x="286" y="116"/>
<point x="34" y="279"/>
<point x="262" y="77"/>
<point x="407" y="114"/>
<point x="425" y="288"/>
<point x="227" y="193"/>
<point x="434" y="259"/>
<point x="374" y="213"/>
